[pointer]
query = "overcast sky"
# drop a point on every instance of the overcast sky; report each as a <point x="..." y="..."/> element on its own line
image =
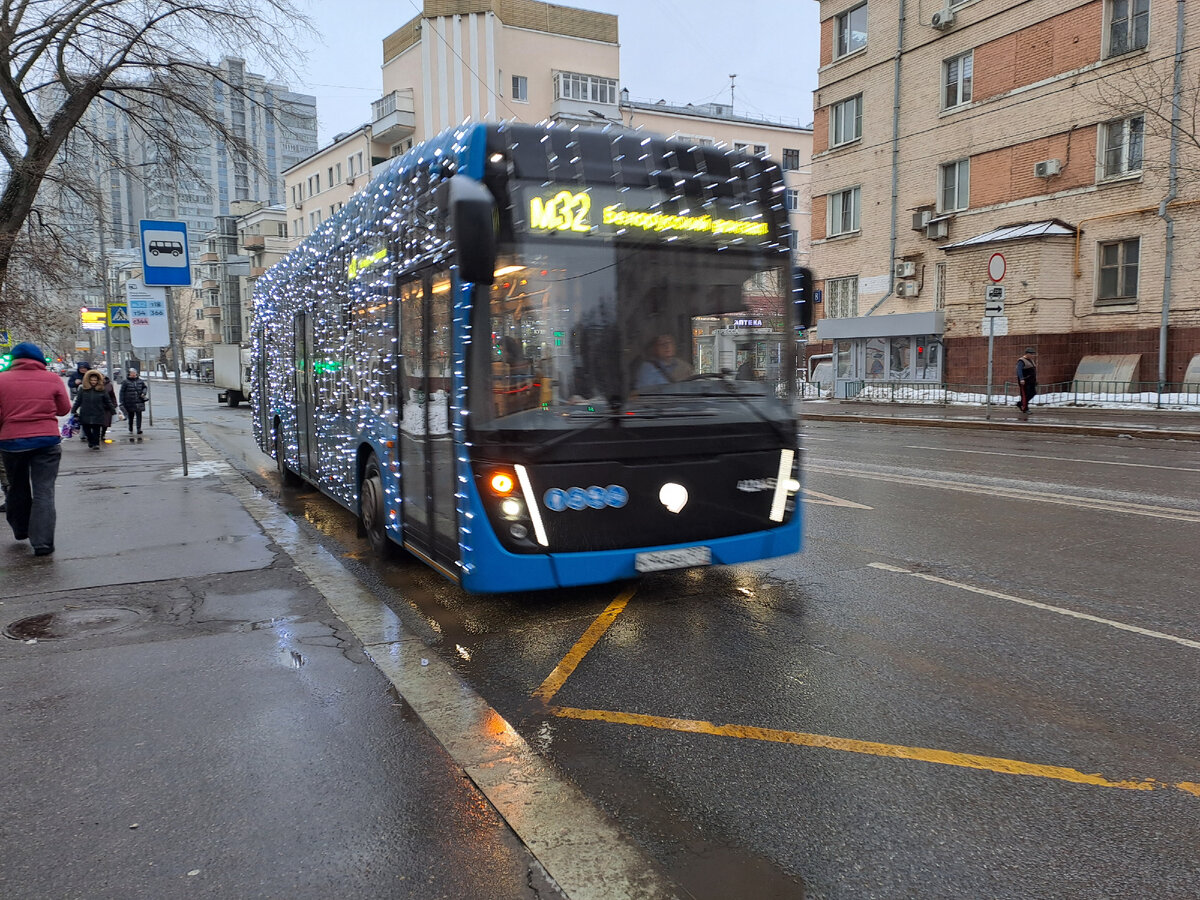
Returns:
<point x="682" y="51"/>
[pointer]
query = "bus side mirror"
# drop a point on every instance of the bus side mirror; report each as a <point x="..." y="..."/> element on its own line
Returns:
<point x="802" y="296"/>
<point x="472" y="212"/>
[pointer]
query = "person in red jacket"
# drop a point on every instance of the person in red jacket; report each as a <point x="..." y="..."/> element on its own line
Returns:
<point x="31" y="400"/>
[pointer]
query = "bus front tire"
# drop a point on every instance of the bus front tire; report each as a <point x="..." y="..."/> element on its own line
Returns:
<point x="372" y="512"/>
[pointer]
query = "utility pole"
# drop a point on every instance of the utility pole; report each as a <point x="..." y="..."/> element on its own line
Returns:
<point x="731" y="86"/>
<point x="104" y="286"/>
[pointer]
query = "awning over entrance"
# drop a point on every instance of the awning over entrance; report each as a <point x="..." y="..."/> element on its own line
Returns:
<point x="895" y="325"/>
<point x="1022" y="232"/>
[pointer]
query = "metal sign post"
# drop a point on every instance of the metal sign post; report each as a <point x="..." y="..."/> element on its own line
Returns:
<point x="165" y="262"/>
<point x="993" y="306"/>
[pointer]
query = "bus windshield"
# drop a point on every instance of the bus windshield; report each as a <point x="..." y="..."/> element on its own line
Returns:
<point x="580" y="330"/>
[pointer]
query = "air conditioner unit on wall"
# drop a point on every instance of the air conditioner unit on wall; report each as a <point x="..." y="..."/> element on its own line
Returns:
<point x="921" y="218"/>
<point x="1046" y="168"/>
<point x="906" y="269"/>
<point x="937" y="229"/>
<point x="942" y="19"/>
<point x="907" y="289"/>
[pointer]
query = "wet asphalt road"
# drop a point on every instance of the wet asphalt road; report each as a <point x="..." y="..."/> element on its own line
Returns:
<point x="977" y="681"/>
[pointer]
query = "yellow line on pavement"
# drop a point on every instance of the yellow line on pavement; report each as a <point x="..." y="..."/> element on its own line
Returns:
<point x="871" y="748"/>
<point x="556" y="679"/>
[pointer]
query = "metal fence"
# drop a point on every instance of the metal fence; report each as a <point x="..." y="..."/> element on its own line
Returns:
<point x="1143" y="395"/>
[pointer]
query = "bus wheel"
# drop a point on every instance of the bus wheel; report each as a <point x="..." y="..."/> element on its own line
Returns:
<point x="286" y="475"/>
<point x="372" y="514"/>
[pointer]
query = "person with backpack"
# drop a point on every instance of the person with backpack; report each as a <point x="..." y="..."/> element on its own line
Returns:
<point x="1026" y="380"/>
<point x="134" y="395"/>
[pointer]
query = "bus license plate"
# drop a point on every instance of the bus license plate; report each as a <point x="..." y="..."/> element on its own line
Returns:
<point x="658" y="560"/>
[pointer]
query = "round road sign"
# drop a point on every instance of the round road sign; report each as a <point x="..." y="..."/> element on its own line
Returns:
<point x="996" y="266"/>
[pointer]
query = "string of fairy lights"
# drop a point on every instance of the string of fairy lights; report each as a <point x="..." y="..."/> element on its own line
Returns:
<point x="325" y="316"/>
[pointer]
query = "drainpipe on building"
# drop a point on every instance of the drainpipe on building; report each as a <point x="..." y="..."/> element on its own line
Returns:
<point x="895" y="159"/>
<point x="1172" y="193"/>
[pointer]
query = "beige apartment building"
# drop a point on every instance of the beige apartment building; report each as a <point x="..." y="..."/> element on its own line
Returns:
<point x="967" y="145"/>
<point x="494" y="60"/>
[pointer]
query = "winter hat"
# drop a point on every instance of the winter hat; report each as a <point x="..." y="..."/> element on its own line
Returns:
<point x="1030" y="351"/>
<point x="27" y="350"/>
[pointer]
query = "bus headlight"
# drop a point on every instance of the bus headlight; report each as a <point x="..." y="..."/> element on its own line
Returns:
<point x="511" y="507"/>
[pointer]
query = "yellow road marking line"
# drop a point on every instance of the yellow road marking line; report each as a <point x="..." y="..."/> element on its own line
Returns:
<point x="1146" y="632"/>
<point x="1120" y="506"/>
<point x="830" y="500"/>
<point x="872" y="748"/>
<point x="556" y="679"/>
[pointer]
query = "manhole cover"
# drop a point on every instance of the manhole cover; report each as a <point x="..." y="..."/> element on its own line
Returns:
<point x="72" y="623"/>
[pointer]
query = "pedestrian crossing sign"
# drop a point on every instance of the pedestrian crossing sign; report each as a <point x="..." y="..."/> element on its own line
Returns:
<point x="118" y="315"/>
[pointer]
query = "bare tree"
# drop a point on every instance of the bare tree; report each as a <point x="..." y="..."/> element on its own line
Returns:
<point x="61" y="56"/>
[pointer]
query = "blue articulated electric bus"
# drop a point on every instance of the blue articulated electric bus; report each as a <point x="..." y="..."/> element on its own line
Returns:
<point x="541" y="356"/>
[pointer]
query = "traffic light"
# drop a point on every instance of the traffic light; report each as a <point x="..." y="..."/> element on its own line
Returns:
<point x="802" y="296"/>
<point x="920" y="352"/>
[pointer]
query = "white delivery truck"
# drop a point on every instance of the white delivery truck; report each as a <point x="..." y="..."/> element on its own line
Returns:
<point x="231" y="373"/>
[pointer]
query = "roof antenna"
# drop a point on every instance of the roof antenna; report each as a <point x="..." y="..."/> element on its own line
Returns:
<point x="731" y="86"/>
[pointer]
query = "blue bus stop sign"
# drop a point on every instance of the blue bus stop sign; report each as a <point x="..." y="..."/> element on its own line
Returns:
<point x="165" y="253"/>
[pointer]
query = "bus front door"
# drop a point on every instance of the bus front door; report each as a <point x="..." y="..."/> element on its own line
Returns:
<point x="303" y="373"/>
<point x="427" y="481"/>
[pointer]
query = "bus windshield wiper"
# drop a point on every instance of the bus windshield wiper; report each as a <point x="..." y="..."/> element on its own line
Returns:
<point x="613" y="416"/>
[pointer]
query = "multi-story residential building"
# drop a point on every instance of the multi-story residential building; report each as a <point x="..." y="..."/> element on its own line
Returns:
<point x="491" y="60"/>
<point x="237" y="250"/>
<point x="968" y="144"/>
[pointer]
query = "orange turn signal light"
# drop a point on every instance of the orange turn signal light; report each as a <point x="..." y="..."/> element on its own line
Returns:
<point x="502" y="483"/>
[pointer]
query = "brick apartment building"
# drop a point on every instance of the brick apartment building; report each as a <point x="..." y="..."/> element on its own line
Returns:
<point x="948" y="131"/>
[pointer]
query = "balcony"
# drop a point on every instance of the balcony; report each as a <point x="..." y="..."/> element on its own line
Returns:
<point x="209" y="258"/>
<point x="209" y="285"/>
<point x="258" y="271"/>
<point x="254" y="242"/>
<point x="212" y="312"/>
<point x="394" y="117"/>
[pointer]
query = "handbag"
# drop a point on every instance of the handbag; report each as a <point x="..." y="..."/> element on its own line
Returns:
<point x="70" y="427"/>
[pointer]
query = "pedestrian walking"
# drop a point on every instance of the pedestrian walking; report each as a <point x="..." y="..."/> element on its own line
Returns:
<point x="134" y="395"/>
<point x="92" y="405"/>
<point x="31" y="400"/>
<point x="75" y="377"/>
<point x="1026" y="380"/>
<point x="108" y="417"/>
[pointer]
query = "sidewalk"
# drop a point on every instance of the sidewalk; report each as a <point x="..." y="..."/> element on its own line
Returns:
<point x="1112" y="421"/>
<point x="183" y="715"/>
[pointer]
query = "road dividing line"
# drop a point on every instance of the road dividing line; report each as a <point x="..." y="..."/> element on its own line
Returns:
<point x="871" y="748"/>
<point x="995" y="490"/>
<point x="1094" y="462"/>
<point x="556" y="679"/>
<point x="582" y="849"/>
<point x="829" y="500"/>
<point x="1145" y="632"/>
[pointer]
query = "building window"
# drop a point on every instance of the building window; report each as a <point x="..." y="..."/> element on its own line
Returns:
<point x="200" y="315"/>
<point x="589" y="88"/>
<point x="956" y="79"/>
<point x="850" y="31"/>
<point x="955" y="193"/>
<point x="331" y="181"/>
<point x="791" y="159"/>
<point x="338" y="169"/>
<point x="793" y="241"/>
<point x="847" y="120"/>
<point x="1129" y="25"/>
<point x="1118" y="280"/>
<point x="520" y="88"/>
<point x="740" y="145"/>
<point x="760" y="149"/>
<point x="841" y="297"/>
<point x="1123" y="146"/>
<point x="843" y="211"/>
<point x="793" y="199"/>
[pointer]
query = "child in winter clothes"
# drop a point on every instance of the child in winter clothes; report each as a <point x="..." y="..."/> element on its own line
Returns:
<point x="92" y="404"/>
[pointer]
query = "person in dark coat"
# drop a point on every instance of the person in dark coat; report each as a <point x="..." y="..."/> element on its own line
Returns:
<point x="77" y="376"/>
<point x="112" y="395"/>
<point x="1026" y="380"/>
<point x="134" y="395"/>
<point x="31" y="400"/>
<point x="92" y="404"/>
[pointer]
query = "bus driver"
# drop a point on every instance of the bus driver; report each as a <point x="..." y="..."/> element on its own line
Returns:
<point x="661" y="365"/>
